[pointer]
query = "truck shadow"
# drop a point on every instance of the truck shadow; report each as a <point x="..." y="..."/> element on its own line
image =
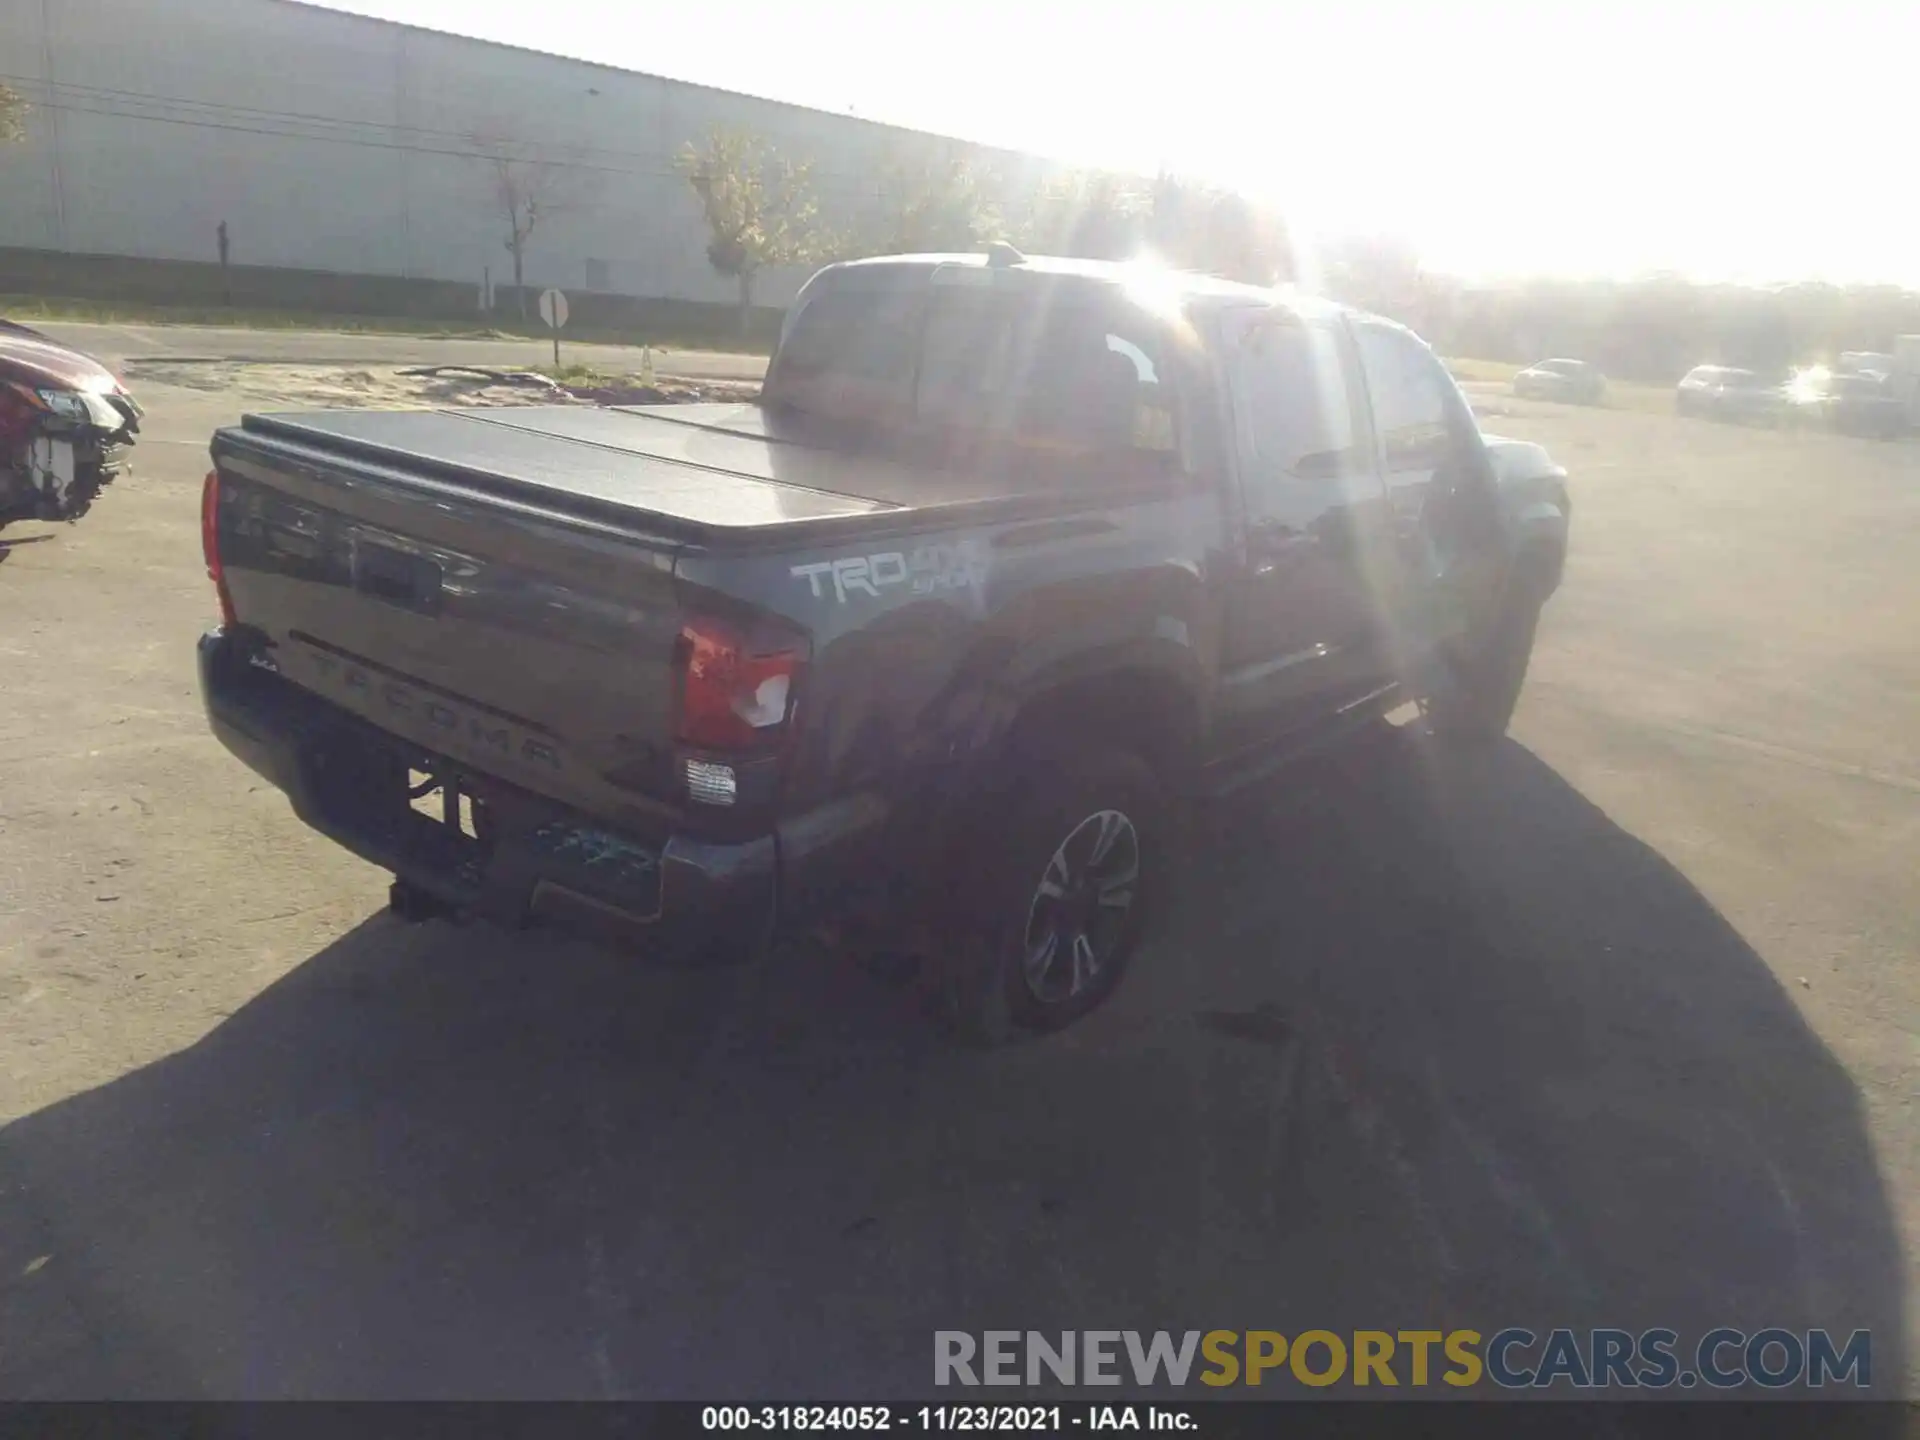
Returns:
<point x="1417" y="1048"/>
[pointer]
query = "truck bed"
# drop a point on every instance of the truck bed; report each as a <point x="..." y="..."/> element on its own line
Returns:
<point x="705" y="471"/>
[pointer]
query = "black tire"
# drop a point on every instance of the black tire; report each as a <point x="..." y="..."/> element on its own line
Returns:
<point x="415" y="906"/>
<point x="1087" y="827"/>
<point x="1475" y="703"/>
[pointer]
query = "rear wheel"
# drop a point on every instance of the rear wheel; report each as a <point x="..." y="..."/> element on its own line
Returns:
<point x="1060" y="881"/>
<point x="410" y="903"/>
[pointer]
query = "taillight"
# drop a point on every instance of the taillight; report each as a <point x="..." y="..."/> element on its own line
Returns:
<point x="210" y="544"/>
<point x="737" y="694"/>
<point x="736" y="691"/>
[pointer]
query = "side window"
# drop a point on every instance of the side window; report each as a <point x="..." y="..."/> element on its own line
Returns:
<point x="1414" y="404"/>
<point x="1294" y="411"/>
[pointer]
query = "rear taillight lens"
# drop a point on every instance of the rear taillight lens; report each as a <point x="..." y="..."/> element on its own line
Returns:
<point x="210" y="544"/>
<point x="736" y="691"/>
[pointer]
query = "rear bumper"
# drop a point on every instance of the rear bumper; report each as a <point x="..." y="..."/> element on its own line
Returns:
<point x="677" y="896"/>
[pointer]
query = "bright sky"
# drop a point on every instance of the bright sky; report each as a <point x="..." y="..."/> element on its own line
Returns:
<point x="1765" y="141"/>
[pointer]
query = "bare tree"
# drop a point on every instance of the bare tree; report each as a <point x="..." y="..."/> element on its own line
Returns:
<point x="759" y="207"/>
<point x="13" y="116"/>
<point x="526" y="191"/>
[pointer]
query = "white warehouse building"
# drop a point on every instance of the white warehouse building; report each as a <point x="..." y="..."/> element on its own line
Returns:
<point x="331" y="143"/>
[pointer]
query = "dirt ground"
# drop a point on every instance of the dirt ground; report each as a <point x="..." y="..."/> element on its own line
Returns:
<point x="1616" y="1027"/>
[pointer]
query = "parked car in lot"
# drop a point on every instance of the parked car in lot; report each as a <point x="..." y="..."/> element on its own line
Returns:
<point x="1726" y="392"/>
<point x="1852" y="404"/>
<point x="1571" y="380"/>
<point x="1011" y="559"/>
<point x="1865" y="362"/>
<point x="66" y="424"/>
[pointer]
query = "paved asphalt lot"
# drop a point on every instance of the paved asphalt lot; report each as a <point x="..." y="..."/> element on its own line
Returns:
<point x="1615" y="1027"/>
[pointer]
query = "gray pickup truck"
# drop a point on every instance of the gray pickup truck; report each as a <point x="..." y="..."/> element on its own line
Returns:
<point x="1012" y="558"/>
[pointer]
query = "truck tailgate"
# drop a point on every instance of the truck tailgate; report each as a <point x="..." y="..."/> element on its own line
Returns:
<point x="531" y="645"/>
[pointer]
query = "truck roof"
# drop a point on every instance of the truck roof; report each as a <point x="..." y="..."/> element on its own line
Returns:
<point x="729" y="473"/>
<point x="1189" y="287"/>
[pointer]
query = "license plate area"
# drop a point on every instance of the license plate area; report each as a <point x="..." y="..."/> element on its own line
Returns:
<point x="444" y="802"/>
<point x="402" y="801"/>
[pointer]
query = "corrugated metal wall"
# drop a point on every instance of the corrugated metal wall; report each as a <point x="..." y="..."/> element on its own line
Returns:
<point x="331" y="142"/>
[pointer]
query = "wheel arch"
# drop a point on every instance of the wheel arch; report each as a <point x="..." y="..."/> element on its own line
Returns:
<point x="1145" y="706"/>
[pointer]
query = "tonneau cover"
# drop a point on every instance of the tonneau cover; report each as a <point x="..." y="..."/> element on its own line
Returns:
<point x="725" y="466"/>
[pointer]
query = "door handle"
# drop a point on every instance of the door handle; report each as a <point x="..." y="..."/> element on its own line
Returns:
<point x="1272" y="535"/>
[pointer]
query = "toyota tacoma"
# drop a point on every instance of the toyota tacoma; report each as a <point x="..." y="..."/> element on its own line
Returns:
<point x="1012" y="560"/>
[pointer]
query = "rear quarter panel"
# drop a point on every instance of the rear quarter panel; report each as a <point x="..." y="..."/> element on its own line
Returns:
<point x="927" y="642"/>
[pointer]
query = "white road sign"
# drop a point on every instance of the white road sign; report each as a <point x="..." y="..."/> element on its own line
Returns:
<point x="553" y="308"/>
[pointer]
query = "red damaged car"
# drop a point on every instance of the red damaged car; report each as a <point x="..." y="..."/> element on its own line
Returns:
<point x="66" y="424"/>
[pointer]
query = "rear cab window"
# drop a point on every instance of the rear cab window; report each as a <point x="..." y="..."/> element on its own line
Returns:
<point x="850" y="345"/>
<point x="1043" y="373"/>
<point x="1062" y="367"/>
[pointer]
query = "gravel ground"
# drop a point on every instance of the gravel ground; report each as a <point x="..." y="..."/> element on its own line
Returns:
<point x="1615" y="1028"/>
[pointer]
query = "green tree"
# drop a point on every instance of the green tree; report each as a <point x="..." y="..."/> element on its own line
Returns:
<point x="1218" y="232"/>
<point x="1653" y="327"/>
<point x="13" y="115"/>
<point x="759" y="207"/>
<point x="1089" y="214"/>
<point x="942" y="206"/>
<point x="1098" y="215"/>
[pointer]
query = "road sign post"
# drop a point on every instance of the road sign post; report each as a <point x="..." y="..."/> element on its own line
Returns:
<point x="553" y="310"/>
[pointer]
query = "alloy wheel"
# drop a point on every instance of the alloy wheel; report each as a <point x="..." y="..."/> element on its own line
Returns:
<point x="1079" y="910"/>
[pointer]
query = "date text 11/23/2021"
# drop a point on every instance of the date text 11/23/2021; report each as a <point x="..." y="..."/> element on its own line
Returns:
<point x="1041" y="1419"/>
